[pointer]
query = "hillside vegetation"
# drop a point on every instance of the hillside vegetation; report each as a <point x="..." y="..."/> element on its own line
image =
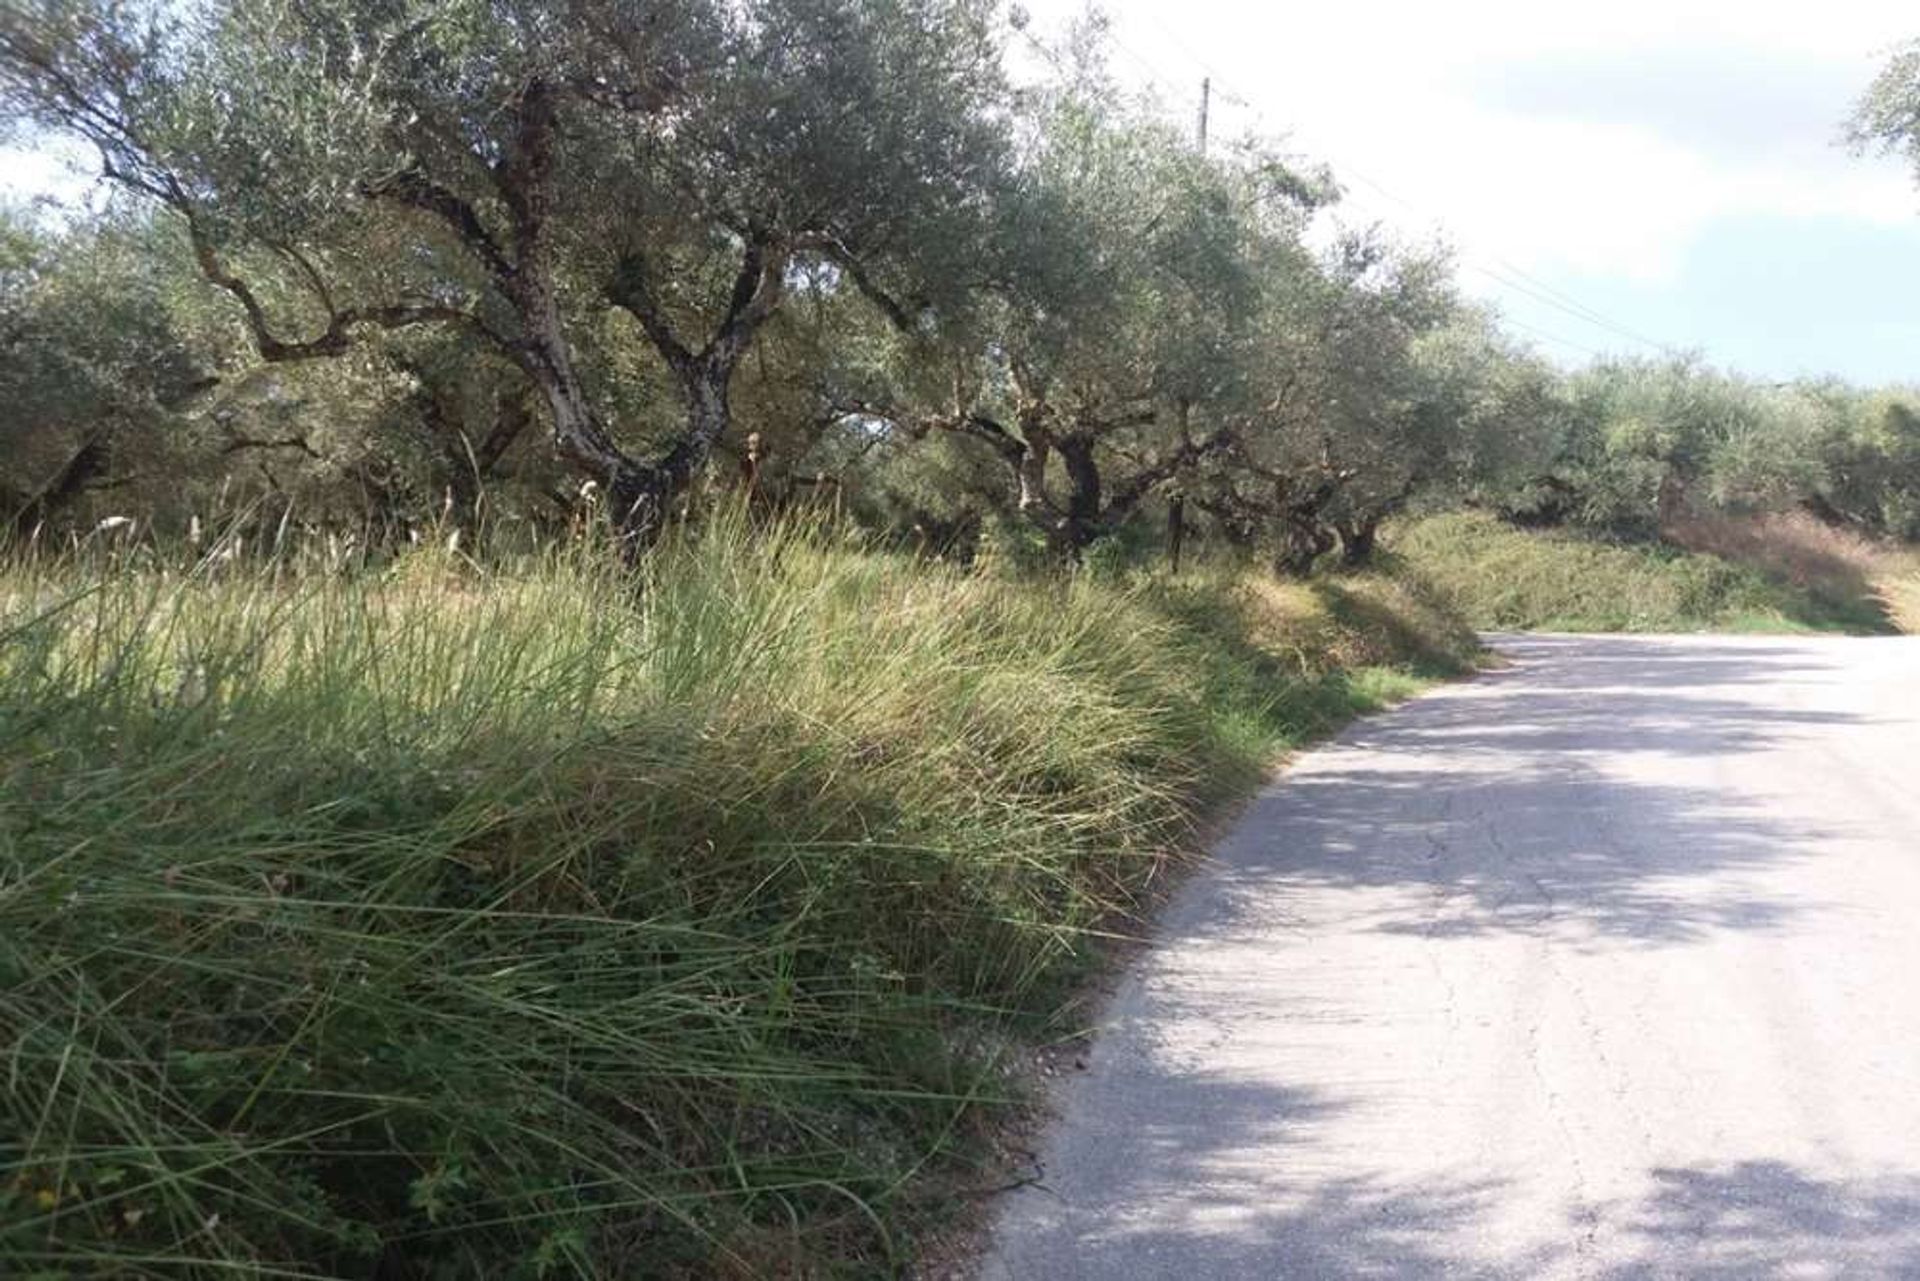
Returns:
<point x="439" y="921"/>
<point x="1780" y="573"/>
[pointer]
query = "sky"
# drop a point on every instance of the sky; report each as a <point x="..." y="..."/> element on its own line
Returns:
<point x="1618" y="176"/>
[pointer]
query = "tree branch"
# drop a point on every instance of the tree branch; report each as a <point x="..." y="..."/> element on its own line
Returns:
<point x="840" y="254"/>
<point x="630" y="288"/>
<point x="1124" y="498"/>
<point x="415" y="190"/>
<point x="337" y="336"/>
<point x="236" y="444"/>
<point x="758" y="288"/>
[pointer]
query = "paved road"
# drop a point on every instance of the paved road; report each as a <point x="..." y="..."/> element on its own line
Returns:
<point x="1607" y="965"/>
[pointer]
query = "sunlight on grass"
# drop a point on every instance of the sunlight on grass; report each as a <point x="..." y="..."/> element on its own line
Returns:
<point x="436" y="916"/>
<point x="1747" y="576"/>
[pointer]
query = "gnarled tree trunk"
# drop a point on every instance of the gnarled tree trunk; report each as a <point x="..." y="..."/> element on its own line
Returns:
<point x="64" y="487"/>
<point x="643" y="492"/>
<point x="1302" y="540"/>
<point x="1359" y="539"/>
<point x="1082" y="521"/>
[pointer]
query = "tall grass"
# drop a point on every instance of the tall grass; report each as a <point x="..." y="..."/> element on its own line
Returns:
<point x="1499" y="577"/>
<point x="1857" y="582"/>
<point x="444" y="921"/>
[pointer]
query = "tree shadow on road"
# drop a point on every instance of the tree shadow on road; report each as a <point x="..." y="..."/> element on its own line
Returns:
<point x="1590" y="797"/>
<point x="1197" y="1194"/>
<point x="1539" y="801"/>
<point x="1754" y="1219"/>
<point x="1466" y="856"/>
<point x="1180" y="1217"/>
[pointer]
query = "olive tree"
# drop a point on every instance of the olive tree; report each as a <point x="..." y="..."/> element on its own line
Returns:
<point x="513" y="168"/>
<point x="98" y="365"/>
<point x="1338" y="416"/>
<point x="1887" y="117"/>
<point x="1469" y="414"/>
<point x="1107" y="331"/>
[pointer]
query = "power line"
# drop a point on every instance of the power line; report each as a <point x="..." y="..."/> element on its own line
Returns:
<point x="1550" y="336"/>
<point x="1213" y="74"/>
<point x="1504" y="272"/>
<point x="1501" y="271"/>
<point x="1040" y="47"/>
<point x="1155" y="76"/>
<point x="1581" y="314"/>
<point x="1535" y="288"/>
<point x="1577" y="311"/>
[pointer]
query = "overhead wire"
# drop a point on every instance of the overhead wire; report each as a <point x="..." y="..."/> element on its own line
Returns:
<point x="1519" y="279"/>
<point x="1550" y="336"/>
<point x="1509" y="275"/>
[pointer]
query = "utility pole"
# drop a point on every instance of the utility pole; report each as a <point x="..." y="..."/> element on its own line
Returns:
<point x="1206" y="100"/>
<point x="1177" y="503"/>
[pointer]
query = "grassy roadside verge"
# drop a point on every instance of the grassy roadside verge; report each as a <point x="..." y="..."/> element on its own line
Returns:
<point x="446" y="922"/>
<point x="1780" y="574"/>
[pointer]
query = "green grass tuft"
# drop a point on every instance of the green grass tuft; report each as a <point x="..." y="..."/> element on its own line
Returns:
<point x="444" y="921"/>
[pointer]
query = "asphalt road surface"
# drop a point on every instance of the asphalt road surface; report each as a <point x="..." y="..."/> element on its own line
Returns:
<point x="1604" y="965"/>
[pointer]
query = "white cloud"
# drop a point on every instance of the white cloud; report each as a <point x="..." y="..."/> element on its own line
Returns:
<point x="1591" y="138"/>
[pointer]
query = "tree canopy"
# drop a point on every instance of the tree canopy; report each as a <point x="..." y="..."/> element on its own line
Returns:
<point x="386" y="263"/>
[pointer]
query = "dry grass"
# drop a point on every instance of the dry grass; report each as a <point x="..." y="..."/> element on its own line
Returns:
<point x="1900" y="589"/>
<point x="1850" y="573"/>
<point x="1778" y="574"/>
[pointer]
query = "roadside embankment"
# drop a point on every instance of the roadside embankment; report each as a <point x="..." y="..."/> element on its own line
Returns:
<point x="441" y="920"/>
